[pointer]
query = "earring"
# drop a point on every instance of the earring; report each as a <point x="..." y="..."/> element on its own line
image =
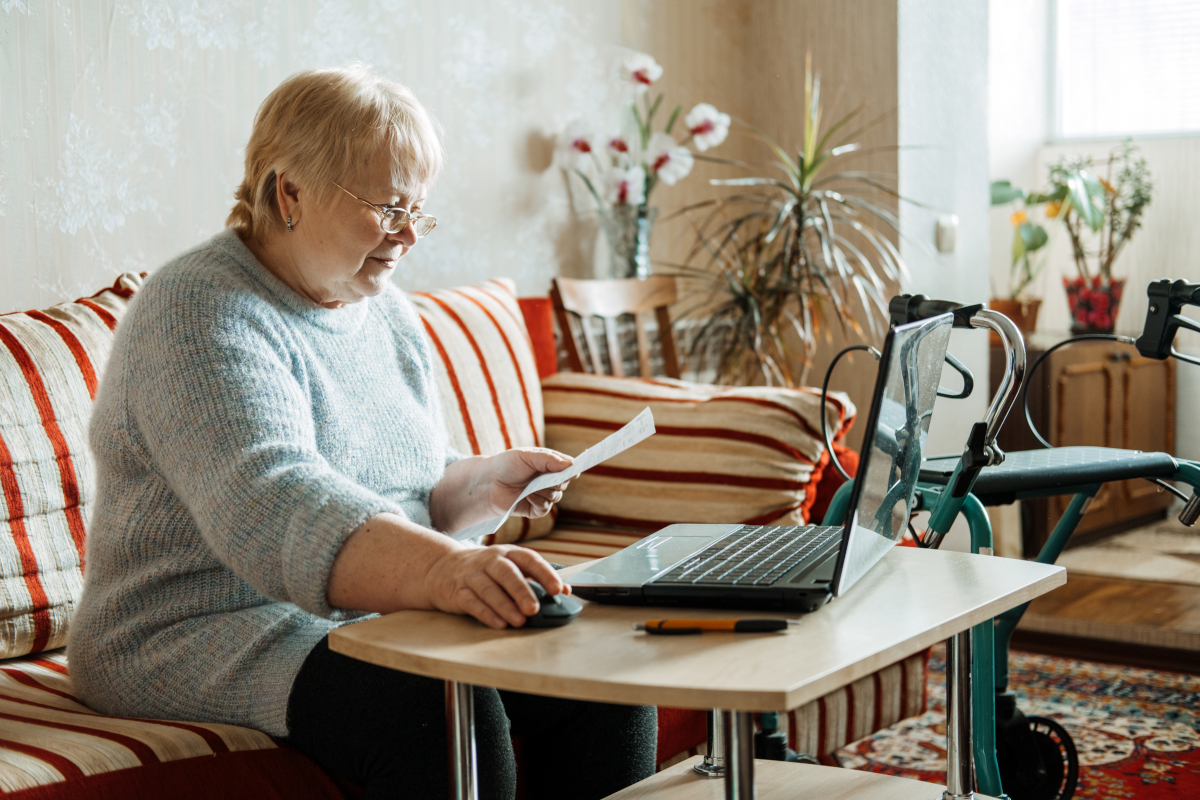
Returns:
<point x="289" y="224"/>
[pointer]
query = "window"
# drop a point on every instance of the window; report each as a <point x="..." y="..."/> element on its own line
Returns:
<point x="1127" y="67"/>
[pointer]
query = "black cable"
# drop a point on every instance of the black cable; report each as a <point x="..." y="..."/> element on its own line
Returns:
<point x="1038" y="361"/>
<point x="833" y="459"/>
<point x="1029" y="379"/>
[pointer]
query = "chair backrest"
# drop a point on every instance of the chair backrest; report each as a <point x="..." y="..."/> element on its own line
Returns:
<point x="583" y="299"/>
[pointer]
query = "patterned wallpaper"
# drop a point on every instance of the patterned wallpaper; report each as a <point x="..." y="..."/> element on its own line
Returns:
<point x="123" y="123"/>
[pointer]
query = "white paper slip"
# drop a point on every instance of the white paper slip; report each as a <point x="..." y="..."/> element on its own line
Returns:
<point x="638" y="429"/>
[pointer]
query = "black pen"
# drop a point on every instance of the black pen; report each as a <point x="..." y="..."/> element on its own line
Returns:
<point x="679" y="627"/>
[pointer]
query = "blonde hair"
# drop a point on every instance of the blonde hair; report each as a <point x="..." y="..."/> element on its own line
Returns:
<point x="327" y="125"/>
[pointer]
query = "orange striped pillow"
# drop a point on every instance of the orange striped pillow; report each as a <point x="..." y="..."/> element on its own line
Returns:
<point x="720" y="453"/>
<point x="50" y="363"/>
<point x="487" y="377"/>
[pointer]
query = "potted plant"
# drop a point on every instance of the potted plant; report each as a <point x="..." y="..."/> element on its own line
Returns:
<point x="1100" y="215"/>
<point x="786" y="255"/>
<point x="1029" y="252"/>
<point x="621" y="168"/>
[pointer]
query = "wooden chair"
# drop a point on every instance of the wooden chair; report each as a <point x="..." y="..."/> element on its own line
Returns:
<point x="608" y="300"/>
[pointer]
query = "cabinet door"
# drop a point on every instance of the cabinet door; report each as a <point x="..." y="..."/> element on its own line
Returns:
<point x="1148" y="424"/>
<point x="1087" y="405"/>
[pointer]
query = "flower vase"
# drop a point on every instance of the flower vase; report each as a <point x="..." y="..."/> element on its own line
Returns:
<point x="1093" y="304"/>
<point x="628" y="229"/>
<point x="1023" y="313"/>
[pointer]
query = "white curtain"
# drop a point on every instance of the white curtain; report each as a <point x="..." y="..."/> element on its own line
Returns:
<point x="123" y="125"/>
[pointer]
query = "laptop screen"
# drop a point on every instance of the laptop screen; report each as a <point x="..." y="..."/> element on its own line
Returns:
<point x="909" y="372"/>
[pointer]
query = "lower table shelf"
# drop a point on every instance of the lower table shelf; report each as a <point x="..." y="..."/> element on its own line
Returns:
<point x="777" y="780"/>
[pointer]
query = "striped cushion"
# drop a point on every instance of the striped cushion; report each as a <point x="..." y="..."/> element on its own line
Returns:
<point x="720" y="454"/>
<point x="50" y="739"/>
<point x="868" y="705"/>
<point x="487" y="377"/>
<point x="50" y="362"/>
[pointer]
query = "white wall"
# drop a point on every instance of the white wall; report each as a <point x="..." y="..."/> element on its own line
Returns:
<point x="1019" y="111"/>
<point x="122" y="124"/>
<point x="942" y="82"/>
<point x="943" y="119"/>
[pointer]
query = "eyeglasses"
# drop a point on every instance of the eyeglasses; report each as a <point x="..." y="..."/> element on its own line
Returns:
<point x="393" y="219"/>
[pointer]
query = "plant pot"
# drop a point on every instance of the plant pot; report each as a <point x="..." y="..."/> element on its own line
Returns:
<point x="628" y="230"/>
<point x="1023" y="313"/>
<point x="1093" y="305"/>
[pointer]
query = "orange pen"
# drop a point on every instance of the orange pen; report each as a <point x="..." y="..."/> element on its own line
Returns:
<point x="681" y="627"/>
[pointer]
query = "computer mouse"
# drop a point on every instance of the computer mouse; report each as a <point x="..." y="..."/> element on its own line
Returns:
<point x="555" y="609"/>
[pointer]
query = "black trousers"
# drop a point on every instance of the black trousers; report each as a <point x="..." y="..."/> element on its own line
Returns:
<point x="386" y="730"/>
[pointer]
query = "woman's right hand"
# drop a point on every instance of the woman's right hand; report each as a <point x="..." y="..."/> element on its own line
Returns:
<point x="489" y="583"/>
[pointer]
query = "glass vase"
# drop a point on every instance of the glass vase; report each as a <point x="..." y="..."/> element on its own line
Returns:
<point x="1094" y="304"/>
<point x="627" y="229"/>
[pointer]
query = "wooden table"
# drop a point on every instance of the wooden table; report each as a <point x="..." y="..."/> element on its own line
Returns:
<point x="909" y="601"/>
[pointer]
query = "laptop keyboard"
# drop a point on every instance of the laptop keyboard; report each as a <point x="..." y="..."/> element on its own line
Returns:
<point x="753" y="556"/>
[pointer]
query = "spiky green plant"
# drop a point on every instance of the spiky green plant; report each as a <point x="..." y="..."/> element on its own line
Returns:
<point x="788" y="255"/>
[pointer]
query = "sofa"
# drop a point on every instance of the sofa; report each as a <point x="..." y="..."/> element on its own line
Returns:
<point x="720" y="454"/>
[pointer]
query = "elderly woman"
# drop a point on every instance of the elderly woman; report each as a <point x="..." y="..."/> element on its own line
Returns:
<point x="273" y="463"/>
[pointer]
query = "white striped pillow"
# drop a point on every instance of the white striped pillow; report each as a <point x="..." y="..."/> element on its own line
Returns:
<point x="487" y="377"/>
<point x="720" y="454"/>
<point x="50" y="363"/>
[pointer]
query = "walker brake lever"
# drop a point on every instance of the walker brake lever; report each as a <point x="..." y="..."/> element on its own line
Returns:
<point x="968" y="380"/>
<point x="905" y="308"/>
<point x="1163" y="319"/>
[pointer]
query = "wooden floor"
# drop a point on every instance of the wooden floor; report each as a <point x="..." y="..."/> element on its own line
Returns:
<point x="1141" y="623"/>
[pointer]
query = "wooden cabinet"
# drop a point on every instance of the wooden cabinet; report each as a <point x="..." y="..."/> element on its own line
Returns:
<point x="1094" y="393"/>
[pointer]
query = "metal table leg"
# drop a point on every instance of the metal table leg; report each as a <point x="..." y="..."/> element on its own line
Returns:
<point x="460" y="714"/>
<point x="713" y="765"/>
<point x="960" y="777"/>
<point x="739" y="772"/>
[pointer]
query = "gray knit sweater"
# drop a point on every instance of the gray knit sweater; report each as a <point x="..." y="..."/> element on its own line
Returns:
<point x="241" y="433"/>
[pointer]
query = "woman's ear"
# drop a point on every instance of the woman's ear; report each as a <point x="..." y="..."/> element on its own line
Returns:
<point x="287" y="195"/>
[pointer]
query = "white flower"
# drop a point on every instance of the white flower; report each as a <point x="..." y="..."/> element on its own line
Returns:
<point x="641" y="70"/>
<point x="575" y="146"/>
<point x="708" y="126"/>
<point x="666" y="159"/>
<point x="625" y="186"/>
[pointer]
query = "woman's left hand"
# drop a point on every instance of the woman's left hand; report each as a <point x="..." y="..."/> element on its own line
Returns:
<point x="481" y="487"/>
<point x="508" y="473"/>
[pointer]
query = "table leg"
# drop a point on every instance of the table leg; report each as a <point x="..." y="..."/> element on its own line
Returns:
<point x="960" y="777"/>
<point x="460" y="713"/>
<point x="713" y="765"/>
<point x="739" y="766"/>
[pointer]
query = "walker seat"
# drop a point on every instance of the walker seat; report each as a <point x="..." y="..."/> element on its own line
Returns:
<point x="1028" y="473"/>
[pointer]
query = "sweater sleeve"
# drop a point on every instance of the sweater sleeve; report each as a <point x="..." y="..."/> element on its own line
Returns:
<point x="216" y="403"/>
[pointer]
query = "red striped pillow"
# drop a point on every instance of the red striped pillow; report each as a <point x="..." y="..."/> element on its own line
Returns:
<point x="487" y="377"/>
<point x="720" y="454"/>
<point x="50" y="362"/>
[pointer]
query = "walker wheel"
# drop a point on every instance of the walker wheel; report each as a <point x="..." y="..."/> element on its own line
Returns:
<point x="1053" y="771"/>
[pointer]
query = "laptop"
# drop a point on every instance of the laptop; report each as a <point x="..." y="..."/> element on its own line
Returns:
<point x="798" y="568"/>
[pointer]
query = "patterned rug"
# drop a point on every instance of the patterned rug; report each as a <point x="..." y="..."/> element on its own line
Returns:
<point x="1137" y="731"/>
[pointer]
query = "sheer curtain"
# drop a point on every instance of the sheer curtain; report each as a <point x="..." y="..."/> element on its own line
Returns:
<point x="123" y="123"/>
